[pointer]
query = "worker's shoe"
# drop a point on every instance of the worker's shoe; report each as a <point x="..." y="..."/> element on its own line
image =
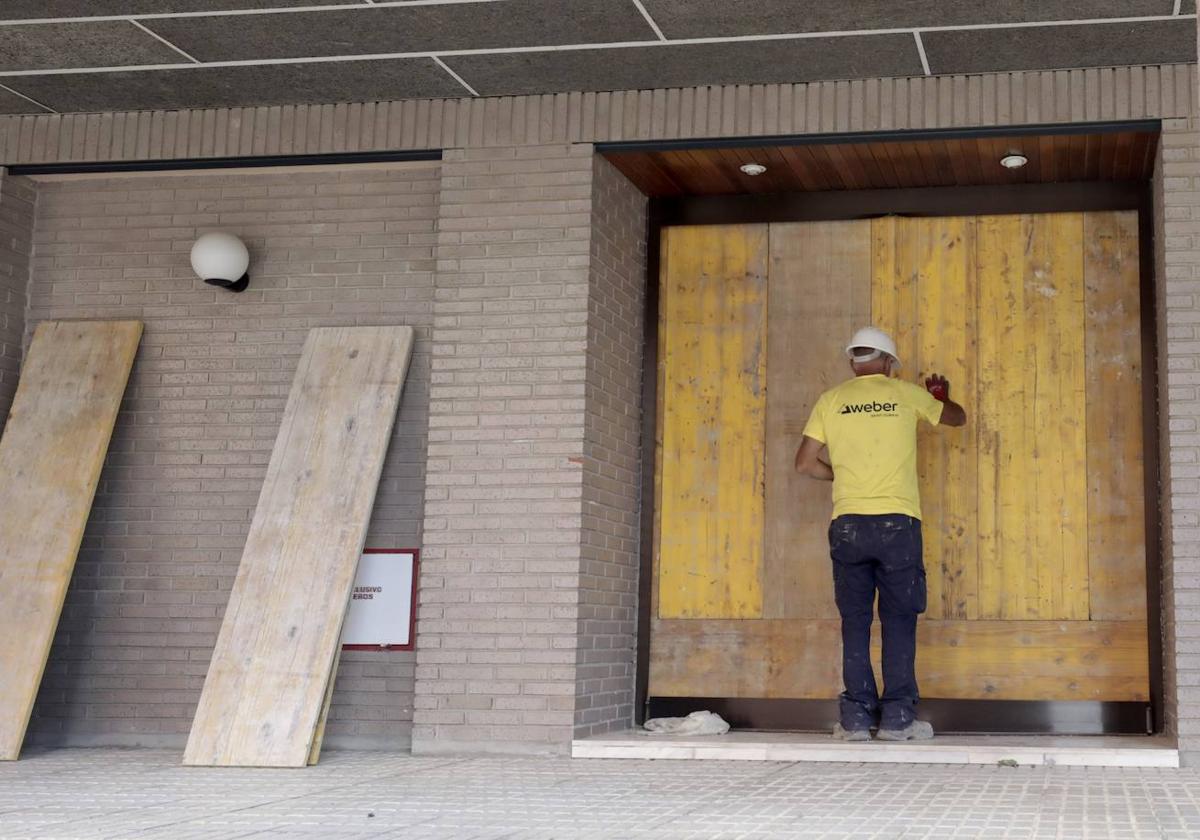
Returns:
<point x="840" y="733"/>
<point x="918" y="730"/>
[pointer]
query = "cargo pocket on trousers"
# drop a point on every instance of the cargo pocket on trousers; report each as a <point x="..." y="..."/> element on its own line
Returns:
<point x="920" y="591"/>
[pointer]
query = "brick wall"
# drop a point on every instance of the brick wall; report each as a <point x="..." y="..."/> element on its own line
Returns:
<point x="17" y="202"/>
<point x="608" y="580"/>
<point x="1178" y="268"/>
<point x="499" y="584"/>
<point x="1019" y="97"/>
<point x="201" y="414"/>
<point x="522" y="607"/>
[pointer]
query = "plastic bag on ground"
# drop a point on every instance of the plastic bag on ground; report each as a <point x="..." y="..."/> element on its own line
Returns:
<point x="697" y="723"/>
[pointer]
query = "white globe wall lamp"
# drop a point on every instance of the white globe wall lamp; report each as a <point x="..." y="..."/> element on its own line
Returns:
<point x="221" y="259"/>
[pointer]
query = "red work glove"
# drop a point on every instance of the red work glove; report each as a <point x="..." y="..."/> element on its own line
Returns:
<point x="939" y="386"/>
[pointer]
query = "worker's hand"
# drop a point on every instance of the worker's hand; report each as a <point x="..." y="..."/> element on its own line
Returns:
<point x="939" y="386"/>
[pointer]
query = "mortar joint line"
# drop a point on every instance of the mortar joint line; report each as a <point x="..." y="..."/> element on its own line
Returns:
<point x="163" y="40"/>
<point x="921" y="52"/>
<point x="646" y="14"/>
<point x="29" y="99"/>
<point x="454" y="75"/>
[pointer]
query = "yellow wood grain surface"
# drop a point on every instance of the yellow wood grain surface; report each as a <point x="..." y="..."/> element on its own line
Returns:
<point x="998" y="407"/>
<point x="1031" y="415"/>
<point x="1116" y="523"/>
<point x="925" y="291"/>
<point x="1033" y="513"/>
<point x="1058" y="426"/>
<point x="54" y="444"/>
<point x="820" y="293"/>
<point x="713" y="304"/>
<point x="975" y="660"/>
<point x="274" y="656"/>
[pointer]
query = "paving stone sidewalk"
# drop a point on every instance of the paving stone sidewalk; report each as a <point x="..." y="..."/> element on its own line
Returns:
<point x="106" y="794"/>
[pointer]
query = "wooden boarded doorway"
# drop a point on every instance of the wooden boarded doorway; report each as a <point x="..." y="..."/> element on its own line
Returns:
<point x="1033" y="513"/>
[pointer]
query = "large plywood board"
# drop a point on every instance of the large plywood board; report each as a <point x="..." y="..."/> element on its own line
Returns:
<point x="820" y="293"/>
<point x="975" y="660"/>
<point x="1115" y="464"/>
<point x="1033" y="512"/>
<point x="924" y="290"/>
<point x="274" y="656"/>
<point x="53" y="447"/>
<point x="1031" y="414"/>
<point x="714" y="322"/>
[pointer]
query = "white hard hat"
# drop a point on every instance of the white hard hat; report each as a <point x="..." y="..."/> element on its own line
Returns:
<point x="877" y="340"/>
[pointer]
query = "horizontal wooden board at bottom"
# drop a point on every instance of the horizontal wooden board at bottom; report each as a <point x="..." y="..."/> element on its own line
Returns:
<point x="978" y="660"/>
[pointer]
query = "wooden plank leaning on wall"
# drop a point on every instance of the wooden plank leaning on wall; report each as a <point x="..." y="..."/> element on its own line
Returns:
<point x="270" y="672"/>
<point x="51" y="454"/>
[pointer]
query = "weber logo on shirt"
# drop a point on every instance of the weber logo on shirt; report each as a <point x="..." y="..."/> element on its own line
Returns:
<point x="872" y="408"/>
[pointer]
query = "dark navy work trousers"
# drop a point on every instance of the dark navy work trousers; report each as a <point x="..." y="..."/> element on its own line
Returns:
<point x="878" y="554"/>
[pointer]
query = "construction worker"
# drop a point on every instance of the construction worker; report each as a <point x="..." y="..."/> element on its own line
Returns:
<point x="868" y="424"/>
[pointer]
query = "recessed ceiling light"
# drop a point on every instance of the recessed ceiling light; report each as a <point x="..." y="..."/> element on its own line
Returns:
<point x="753" y="168"/>
<point x="1013" y="161"/>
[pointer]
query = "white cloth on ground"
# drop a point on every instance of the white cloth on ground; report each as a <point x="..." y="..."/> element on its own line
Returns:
<point x="697" y="723"/>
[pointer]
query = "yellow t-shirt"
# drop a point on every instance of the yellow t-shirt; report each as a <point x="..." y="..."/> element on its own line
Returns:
<point x="869" y="425"/>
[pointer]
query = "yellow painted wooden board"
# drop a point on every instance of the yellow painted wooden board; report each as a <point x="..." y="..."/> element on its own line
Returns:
<point x="1031" y="415"/>
<point x="1058" y="424"/>
<point x="1116" y="511"/>
<point x="275" y="653"/>
<point x="924" y="290"/>
<point x="53" y="447"/>
<point x="820" y="293"/>
<point x="979" y="660"/>
<point x="1033" y="513"/>
<point x="713" y="337"/>
<point x="1003" y="448"/>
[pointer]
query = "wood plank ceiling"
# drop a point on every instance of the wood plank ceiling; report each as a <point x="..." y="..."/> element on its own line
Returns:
<point x="841" y="164"/>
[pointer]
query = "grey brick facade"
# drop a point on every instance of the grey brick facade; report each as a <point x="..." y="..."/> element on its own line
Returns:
<point x="498" y="617"/>
<point x="528" y="590"/>
<point x="1178" y="268"/>
<point x="608" y="578"/>
<point x="17" y="201"/>
<point x="201" y="413"/>
<point x="521" y="260"/>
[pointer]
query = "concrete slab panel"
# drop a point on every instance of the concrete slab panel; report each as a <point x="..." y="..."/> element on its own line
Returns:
<point x="716" y="18"/>
<point x="213" y="87"/>
<point x="684" y="65"/>
<point x="1052" y="47"/>
<point x="400" y="29"/>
